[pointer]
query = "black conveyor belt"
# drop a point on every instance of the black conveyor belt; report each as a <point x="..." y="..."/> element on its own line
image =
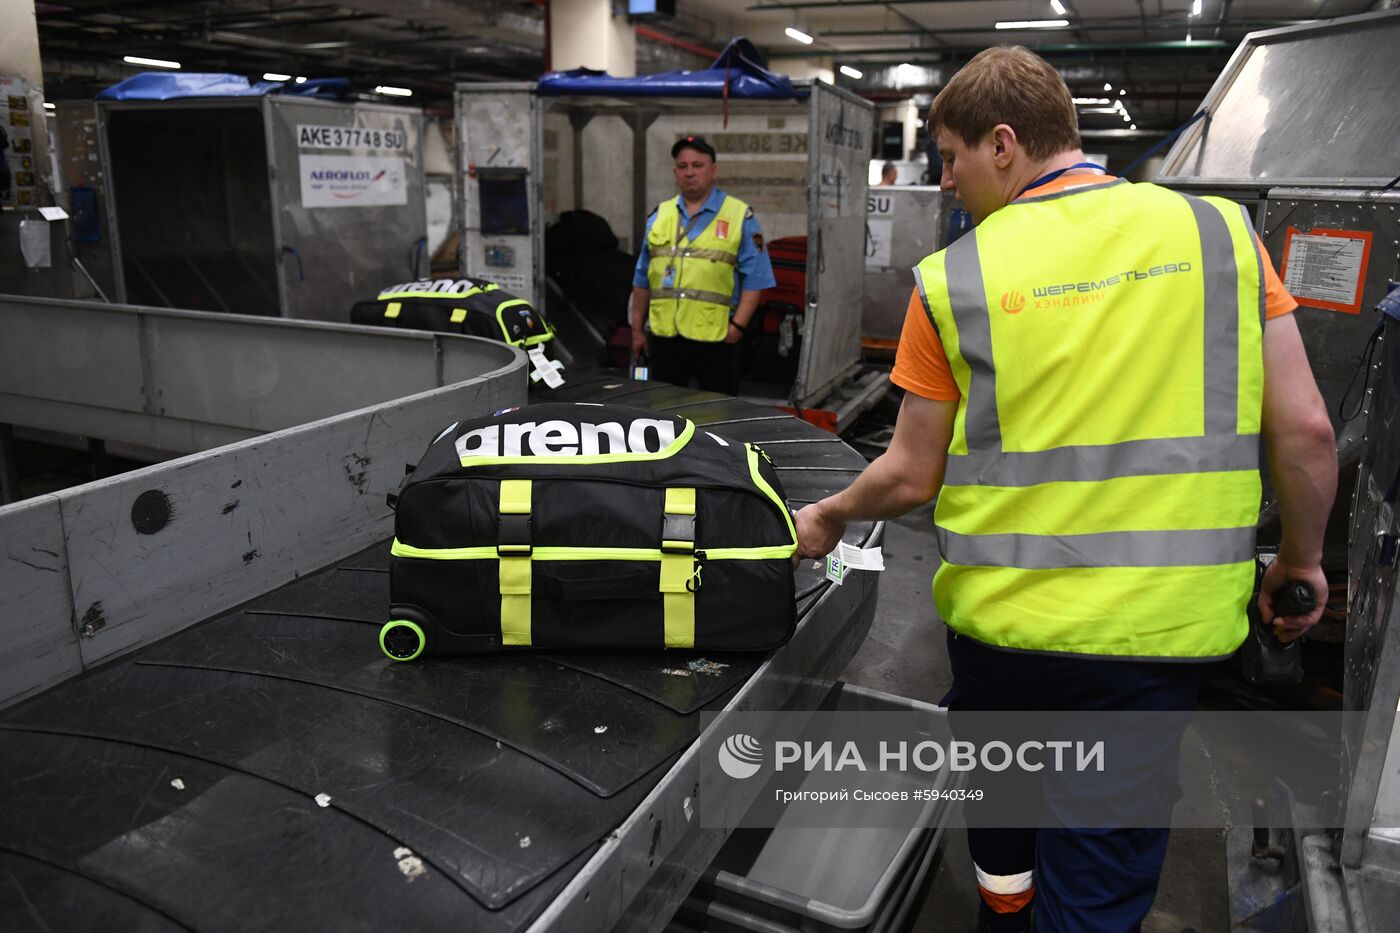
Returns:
<point x="269" y="768"/>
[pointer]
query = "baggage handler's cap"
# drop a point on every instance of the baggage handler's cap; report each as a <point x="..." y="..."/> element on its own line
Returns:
<point x="693" y="142"/>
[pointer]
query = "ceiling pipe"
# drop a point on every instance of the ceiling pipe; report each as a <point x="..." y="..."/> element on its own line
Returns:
<point x="672" y="41"/>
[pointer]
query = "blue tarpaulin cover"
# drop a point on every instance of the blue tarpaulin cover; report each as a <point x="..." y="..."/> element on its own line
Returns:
<point x="168" y="85"/>
<point x="740" y="67"/>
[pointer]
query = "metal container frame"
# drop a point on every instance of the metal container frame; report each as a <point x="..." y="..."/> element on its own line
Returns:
<point x="279" y="184"/>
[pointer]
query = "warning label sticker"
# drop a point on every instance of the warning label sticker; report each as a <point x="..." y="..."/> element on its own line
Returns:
<point x="1326" y="268"/>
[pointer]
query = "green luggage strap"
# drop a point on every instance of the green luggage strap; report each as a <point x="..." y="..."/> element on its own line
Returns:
<point x="514" y="550"/>
<point x="679" y="573"/>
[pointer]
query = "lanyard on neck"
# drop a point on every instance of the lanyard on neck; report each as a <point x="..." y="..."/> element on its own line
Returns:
<point x="685" y="226"/>
<point x="1046" y="179"/>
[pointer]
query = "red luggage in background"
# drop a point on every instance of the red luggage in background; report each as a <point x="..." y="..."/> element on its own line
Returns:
<point x="772" y="348"/>
<point x="789" y="258"/>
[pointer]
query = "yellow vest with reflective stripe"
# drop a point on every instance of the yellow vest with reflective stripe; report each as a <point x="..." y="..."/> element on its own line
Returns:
<point x="1102" y="486"/>
<point x="695" y="302"/>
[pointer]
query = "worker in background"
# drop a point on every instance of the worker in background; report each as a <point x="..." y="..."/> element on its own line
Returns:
<point x="888" y="174"/>
<point x="698" y="278"/>
<point x="1088" y="375"/>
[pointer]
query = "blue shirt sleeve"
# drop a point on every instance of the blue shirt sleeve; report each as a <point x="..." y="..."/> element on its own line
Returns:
<point x="639" y="275"/>
<point x="755" y="271"/>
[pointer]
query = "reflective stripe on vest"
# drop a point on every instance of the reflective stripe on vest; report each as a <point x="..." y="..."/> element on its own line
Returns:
<point x="696" y="300"/>
<point x="516" y="571"/>
<point x="1102" y="487"/>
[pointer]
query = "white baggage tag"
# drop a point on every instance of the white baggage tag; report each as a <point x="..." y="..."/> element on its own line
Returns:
<point x="545" y="368"/>
<point x="858" y="558"/>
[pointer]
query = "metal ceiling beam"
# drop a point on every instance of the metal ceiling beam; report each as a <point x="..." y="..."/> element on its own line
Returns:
<point x="1174" y="23"/>
<point x="1071" y="48"/>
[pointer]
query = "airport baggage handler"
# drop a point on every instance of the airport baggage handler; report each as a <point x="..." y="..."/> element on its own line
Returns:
<point x="1088" y="375"/>
<point x="698" y="279"/>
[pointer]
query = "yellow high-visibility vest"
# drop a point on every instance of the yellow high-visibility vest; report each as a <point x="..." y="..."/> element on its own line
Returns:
<point x="693" y="300"/>
<point x="1102" y="487"/>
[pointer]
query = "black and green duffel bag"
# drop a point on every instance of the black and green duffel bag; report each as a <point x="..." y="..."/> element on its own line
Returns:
<point x="457" y="306"/>
<point x="576" y="525"/>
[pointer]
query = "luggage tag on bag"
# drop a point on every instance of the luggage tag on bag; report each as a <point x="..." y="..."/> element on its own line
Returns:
<point x="545" y="368"/>
<point x="848" y="557"/>
<point x="835" y="569"/>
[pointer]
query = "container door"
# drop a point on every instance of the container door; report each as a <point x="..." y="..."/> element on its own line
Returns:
<point x="839" y="140"/>
<point x="350" y="209"/>
<point x="498" y="157"/>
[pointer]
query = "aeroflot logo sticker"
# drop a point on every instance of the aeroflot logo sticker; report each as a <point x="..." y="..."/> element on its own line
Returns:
<point x="1092" y="291"/>
<point x="562" y="438"/>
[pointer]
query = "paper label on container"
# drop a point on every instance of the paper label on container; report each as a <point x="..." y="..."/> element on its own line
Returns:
<point x="351" y="181"/>
<point x="311" y="136"/>
<point x="1326" y="268"/>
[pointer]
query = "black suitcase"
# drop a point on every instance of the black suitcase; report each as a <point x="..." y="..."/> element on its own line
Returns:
<point x="577" y="525"/>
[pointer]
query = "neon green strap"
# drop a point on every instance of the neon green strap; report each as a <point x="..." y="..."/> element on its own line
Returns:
<point x="677" y="569"/>
<point x="515" y="569"/>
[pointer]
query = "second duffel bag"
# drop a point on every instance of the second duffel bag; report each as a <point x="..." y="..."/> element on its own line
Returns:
<point x="578" y="525"/>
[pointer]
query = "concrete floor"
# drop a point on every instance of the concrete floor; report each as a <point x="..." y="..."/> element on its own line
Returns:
<point x="905" y="655"/>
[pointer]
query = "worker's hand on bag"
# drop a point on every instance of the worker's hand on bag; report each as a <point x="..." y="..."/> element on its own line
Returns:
<point x="639" y="342"/>
<point x="817" y="536"/>
<point x="1290" y="628"/>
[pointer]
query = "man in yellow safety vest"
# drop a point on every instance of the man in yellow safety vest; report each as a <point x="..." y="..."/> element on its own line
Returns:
<point x="1088" y="376"/>
<point x="698" y="278"/>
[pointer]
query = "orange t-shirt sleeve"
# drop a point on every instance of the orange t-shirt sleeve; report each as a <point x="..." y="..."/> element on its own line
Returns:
<point x="920" y="363"/>
<point x="1277" y="301"/>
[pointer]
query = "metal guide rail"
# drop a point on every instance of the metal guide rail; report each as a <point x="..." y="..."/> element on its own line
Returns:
<point x="267" y="767"/>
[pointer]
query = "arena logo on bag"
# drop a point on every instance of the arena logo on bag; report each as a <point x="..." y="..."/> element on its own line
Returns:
<point x="562" y="438"/>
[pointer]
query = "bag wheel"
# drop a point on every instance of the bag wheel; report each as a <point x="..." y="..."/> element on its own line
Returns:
<point x="401" y="640"/>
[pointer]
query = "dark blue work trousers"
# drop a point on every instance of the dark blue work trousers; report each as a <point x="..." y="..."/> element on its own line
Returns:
<point x="1084" y="879"/>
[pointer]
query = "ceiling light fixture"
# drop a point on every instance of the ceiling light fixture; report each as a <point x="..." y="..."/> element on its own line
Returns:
<point x="799" y="35"/>
<point x="1108" y="87"/>
<point x="49" y="106"/>
<point x="1196" y="7"/>
<point x="1032" y="24"/>
<point x="1058" y="7"/>
<point x="1132" y="126"/>
<point x="1091" y="100"/>
<point x="153" y="62"/>
<point x="301" y="79"/>
<point x="274" y="76"/>
<point x="393" y="91"/>
<point x="850" y="72"/>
